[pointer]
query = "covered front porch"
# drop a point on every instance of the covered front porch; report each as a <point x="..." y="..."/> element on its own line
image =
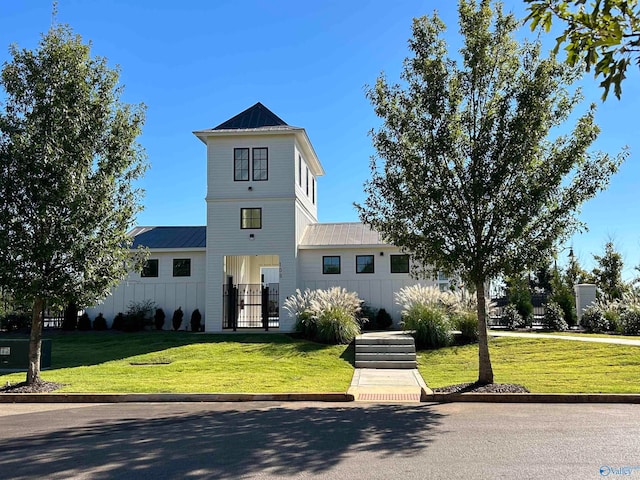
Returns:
<point x="251" y="292"/>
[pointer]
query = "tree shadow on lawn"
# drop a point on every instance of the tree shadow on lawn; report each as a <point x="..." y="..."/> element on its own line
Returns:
<point x="74" y="349"/>
<point x="239" y="442"/>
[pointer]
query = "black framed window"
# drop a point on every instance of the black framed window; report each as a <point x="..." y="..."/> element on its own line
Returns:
<point x="150" y="268"/>
<point x="331" y="264"/>
<point x="250" y="218"/>
<point x="399" y="263"/>
<point x="241" y="164"/>
<point x="260" y="164"/>
<point x="364" y="263"/>
<point x="181" y="267"/>
<point x="307" y="184"/>
<point x="299" y="170"/>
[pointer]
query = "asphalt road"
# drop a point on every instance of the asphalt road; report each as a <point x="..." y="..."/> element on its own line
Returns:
<point x="316" y="440"/>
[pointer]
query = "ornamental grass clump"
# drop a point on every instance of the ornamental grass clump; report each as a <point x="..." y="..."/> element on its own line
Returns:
<point x="328" y="316"/>
<point x="426" y="313"/>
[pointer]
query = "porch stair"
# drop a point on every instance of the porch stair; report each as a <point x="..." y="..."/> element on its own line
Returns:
<point x="385" y="350"/>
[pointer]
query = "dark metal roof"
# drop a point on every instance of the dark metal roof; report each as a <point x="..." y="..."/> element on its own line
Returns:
<point x="257" y="116"/>
<point x="169" y="237"/>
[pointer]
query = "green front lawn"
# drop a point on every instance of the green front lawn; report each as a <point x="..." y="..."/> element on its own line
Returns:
<point x="155" y="362"/>
<point x="541" y="365"/>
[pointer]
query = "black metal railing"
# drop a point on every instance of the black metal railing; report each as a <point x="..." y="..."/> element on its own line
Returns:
<point x="251" y="306"/>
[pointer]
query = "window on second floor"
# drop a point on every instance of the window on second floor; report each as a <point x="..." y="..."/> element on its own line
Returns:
<point x="181" y="267"/>
<point x="364" y="264"/>
<point x="313" y="190"/>
<point x="260" y="164"/>
<point x="250" y="218"/>
<point x="299" y="170"/>
<point x="307" y="182"/>
<point x="241" y="164"/>
<point x="150" y="268"/>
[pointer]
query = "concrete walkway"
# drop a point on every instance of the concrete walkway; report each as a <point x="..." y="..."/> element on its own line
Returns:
<point x="612" y="339"/>
<point x="388" y="385"/>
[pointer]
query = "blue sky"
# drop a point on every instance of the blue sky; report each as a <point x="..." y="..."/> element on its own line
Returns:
<point x="198" y="63"/>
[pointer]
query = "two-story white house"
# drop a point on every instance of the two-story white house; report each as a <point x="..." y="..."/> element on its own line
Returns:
<point x="262" y="240"/>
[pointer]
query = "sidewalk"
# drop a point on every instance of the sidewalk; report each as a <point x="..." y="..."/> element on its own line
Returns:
<point x="388" y="386"/>
<point x="613" y="339"/>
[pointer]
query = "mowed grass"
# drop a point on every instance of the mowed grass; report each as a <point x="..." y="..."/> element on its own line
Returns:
<point x="175" y="362"/>
<point x="541" y="365"/>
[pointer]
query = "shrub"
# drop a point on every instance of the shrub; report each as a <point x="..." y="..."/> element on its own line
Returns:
<point x="367" y="317"/>
<point x="593" y="319"/>
<point x="329" y="316"/>
<point x="14" y="321"/>
<point x="554" y="317"/>
<point x="196" y="318"/>
<point x="176" y="320"/>
<point x="383" y="319"/>
<point x="118" y="322"/>
<point x="158" y="319"/>
<point x="512" y="318"/>
<point x="430" y="325"/>
<point x="99" y="323"/>
<point x="630" y="320"/>
<point x="70" y="320"/>
<point x="84" y="322"/>
<point x="467" y="323"/>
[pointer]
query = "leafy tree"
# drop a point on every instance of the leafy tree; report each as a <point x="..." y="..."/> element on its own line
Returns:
<point x="575" y="274"/>
<point x="469" y="182"/>
<point x="604" y="36"/>
<point x="608" y="273"/>
<point x="519" y="295"/>
<point x="68" y="157"/>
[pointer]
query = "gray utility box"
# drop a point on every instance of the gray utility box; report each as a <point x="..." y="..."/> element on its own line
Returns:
<point x="14" y="353"/>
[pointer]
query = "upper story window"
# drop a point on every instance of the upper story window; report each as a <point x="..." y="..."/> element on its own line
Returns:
<point x="399" y="263"/>
<point x="181" y="267"/>
<point x="250" y="218"/>
<point x="241" y="164"/>
<point x="313" y="190"/>
<point x="364" y="264"/>
<point x="307" y="184"/>
<point x="331" y="264"/>
<point x="260" y="164"/>
<point x="150" y="268"/>
<point x="300" y="170"/>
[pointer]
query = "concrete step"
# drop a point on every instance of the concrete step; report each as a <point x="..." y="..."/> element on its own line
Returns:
<point x="383" y="357"/>
<point x="395" y="340"/>
<point x="408" y="348"/>
<point x="386" y="364"/>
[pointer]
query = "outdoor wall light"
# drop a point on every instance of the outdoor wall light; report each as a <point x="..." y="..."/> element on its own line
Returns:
<point x="252" y="236"/>
<point x="250" y="188"/>
<point x="382" y="254"/>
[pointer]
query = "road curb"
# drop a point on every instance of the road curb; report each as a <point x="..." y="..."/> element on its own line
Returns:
<point x="172" y="397"/>
<point x="533" y="397"/>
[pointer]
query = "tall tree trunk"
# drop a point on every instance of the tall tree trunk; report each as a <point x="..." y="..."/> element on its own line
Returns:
<point x="485" y="372"/>
<point x="35" y="342"/>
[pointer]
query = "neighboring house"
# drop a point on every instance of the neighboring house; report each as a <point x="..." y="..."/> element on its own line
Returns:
<point x="262" y="240"/>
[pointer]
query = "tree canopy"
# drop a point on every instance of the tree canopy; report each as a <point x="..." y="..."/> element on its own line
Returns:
<point x="68" y="162"/>
<point x="604" y="36"/>
<point x="466" y="177"/>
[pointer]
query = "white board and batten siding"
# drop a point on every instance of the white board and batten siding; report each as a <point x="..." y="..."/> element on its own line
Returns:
<point x="167" y="291"/>
<point x="376" y="289"/>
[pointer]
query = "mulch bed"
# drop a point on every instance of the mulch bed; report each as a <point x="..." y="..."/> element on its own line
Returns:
<point x="479" y="388"/>
<point x="39" y="387"/>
